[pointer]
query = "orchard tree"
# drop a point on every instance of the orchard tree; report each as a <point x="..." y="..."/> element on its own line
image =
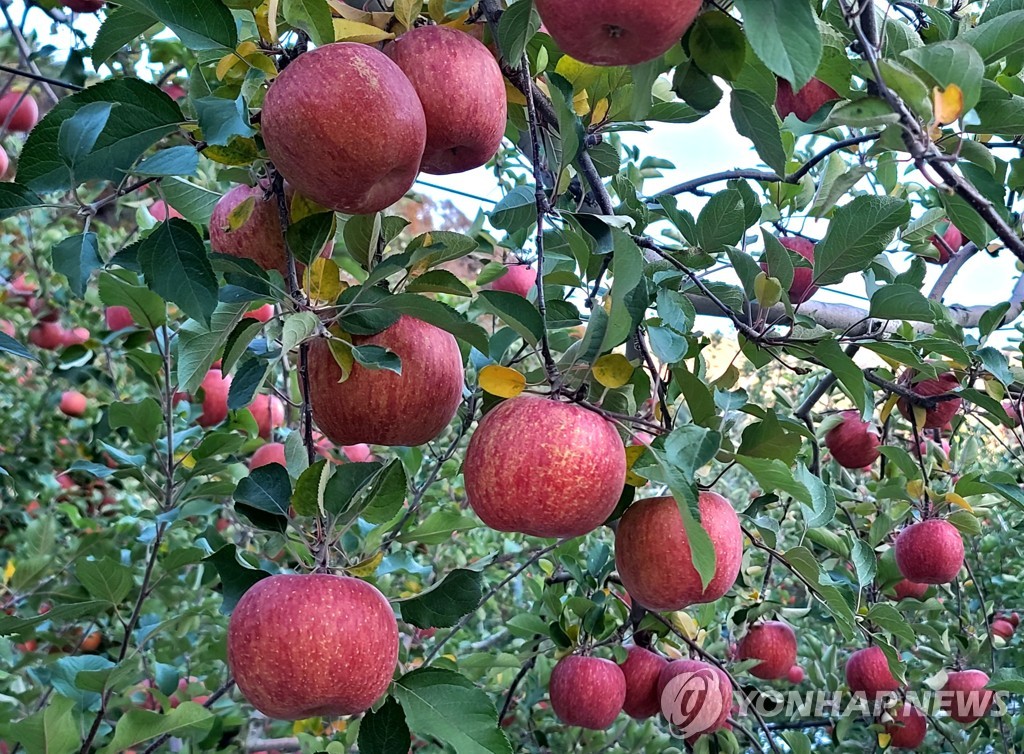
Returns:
<point x="294" y="462"/>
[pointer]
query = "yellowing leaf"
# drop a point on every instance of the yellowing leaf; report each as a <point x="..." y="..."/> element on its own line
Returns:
<point x="9" y="571"/>
<point x="502" y="381"/>
<point x="366" y="568"/>
<point x="686" y="625"/>
<point x="189" y="461"/>
<point x="270" y="21"/>
<point x="915" y="488"/>
<point x="240" y="214"/>
<point x="633" y="453"/>
<point x="354" y="31"/>
<point x="948" y="104"/>
<point x="239" y="151"/>
<point x="613" y="370"/>
<point x="884" y="739"/>
<point x="577" y="73"/>
<point x="322" y="280"/>
<point x="887" y="408"/>
<point x="226" y="63"/>
<point x="600" y="110"/>
<point x="341" y="350"/>
<point x="407" y="11"/>
<point x="955" y="499"/>
<point x="581" y="103"/>
<point x="513" y="95"/>
<point x="920" y="415"/>
<point x="437" y="12"/>
<point x="302" y="207"/>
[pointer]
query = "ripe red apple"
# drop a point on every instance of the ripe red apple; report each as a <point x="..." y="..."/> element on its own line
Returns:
<point x="944" y="411"/>
<point x="795" y="675"/>
<point x="518" y="278"/>
<point x="951" y="241"/>
<point x="804" y="103"/>
<point x="215" y="388"/>
<point x="83" y="6"/>
<point x="617" y="32"/>
<point x="162" y="211"/>
<point x="908" y="729"/>
<point x="351" y="148"/>
<point x="380" y="407"/>
<point x="261" y="313"/>
<point x="1002" y="628"/>
<point x="118" y="318"/>
<point x="259" y="238"/>
<point x="74" y="337"/>
<point x="268" y="411"/>
<point x="1014" y="618"/>
<point x="73" y="403"/>
<point x="801" y="289"/>
<point x="360" y="453"/>
<point x="272" y="452"/>
<point x="651" y="531"/>
<point x="695" y="696"/>
<point x="5" y="162"/>
<point x="930" y="552"/>
<point x="906" y="588"/>
<point x="587" y="691"/>
<point x="313" y="645"/>
<point x="853" y="442"/>
<point x="174" y="90"/>
<point x="868" y="674"/>
<point x="25" y="109"/>
<point x="774" y="644"/>
<point x="641" y="670"/>
<point x="964" y="696"/>
<point x="462" y="92"/>
<point x="544" y="468"/>
<point x="46" y="335"/>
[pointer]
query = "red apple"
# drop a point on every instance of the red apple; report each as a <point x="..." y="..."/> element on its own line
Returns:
<point x="617" y="32"/>
<point x="272" y="452"/>
<point x="930" y="552"/>
<point x="944" y="411"/>
<point x="118" y="318"/>
<point x="795" y="675"/>
<point x="259" y="238"/>
<point x="518" y="278"/>
<point x="947" y="242"/>
<point x="313" y="645"/>
<point x="1010" y="407"/>
<point x="906" y="588"/>
<point x="5" y="163"/>
<point x="774" y="644"/>
<point x="25" y="109"/>
<point x="642" y="669"/>
<point x="802" y="288"/>
<point x="462" y="92"/>
<point x="360" y="453"/>
<point x="853" y="442"/>
<point x="83" y="6"/>
<point x="908" y="729"/>
<point x="964" y="696"/>
<point x="544" y="468"/>
<point x="1014" y="618"/>
<point x="174" y="90"/>
<point x="162" y="211"/>
<point x="868" y="674"/>
<point x="46" y="335"/>
<point x="696" y="697"/>
<point x="804" y="103"/>
<point x="215" y="388"/>
<point x="74" y="337"/>
<point x="1002" y="628"/>
<point x="261" y="313"/>
<point x="380" y="407"/>
<point x="268" y="411"/>
<point x="651" y="531"/>
<point x="354" y="148"/>
<point x="73" y="403"/>
<point x="587" y="691"/>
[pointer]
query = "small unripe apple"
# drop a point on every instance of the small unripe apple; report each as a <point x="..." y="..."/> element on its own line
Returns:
<point x="853" y="442"/>
<point x="964" y="696"/>
<point x="268" y="411"/>
<point x="162" y="211"/>
<point x="518" y="278"/>
<point x="795" y="675"/>
<point x="804" y="103"/>
<point x="774" y="644"/>
<point x="46" y="335"/>
<point x="868" y="674"/>
<point x="1002" y="628"/>
<point x="951" y="241"/>
<point x="642" y="668"/>
<point x="695" y="696"/>
<point x="587" y="691"/>
<point x="259" y="238"/>
<point x="272" y="452"/>
<point x="904" y="589"/>
<point x="261" y="313"/>
<point x="944" y="411"/>
<point x="930" y="552"/>
<point x="25" y="109"/>
<point x="118" y="318"/>
<point x="73" y="403"/>
<point x="802" y="287"/>
<point x="908" y="729"/>
<point x="215" y="386"/>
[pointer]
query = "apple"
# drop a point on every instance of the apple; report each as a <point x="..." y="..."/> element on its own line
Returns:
<point x="587" y="691"/>
<point x="83" y="6"/>
<point x="544" y="468"/>
<point x="930" y="552"/>
<point x="908" y="729"/>
<point x="174" y="90"/>
<point x="261" y="313"/>
<point x="259" y="238"/>
<point x="1014" y="618"/>
<point x="652" y="552"/>
<point x="272" y="452"/>
<point x="268" y="411"/>
<point x="118" y="318"/>
<point x="7" y="328"/>
<point x="1010" y="407"/>
<point x="802" y="288"/>
<point x="641" y="669"/>
<point x="162" y="211"/>
<point x="868" y="674"/>
<point x="46" y="335"/>
<point x="804" y="103"/>
<point x="774" y="644"/>
<point x="462" y="91"/>
<point x="695" y="696"/>
<point x="947" y="243"/>
<point x="795" y="675"/>
<point x="360" y="453"/>
<point x="944" y="411"/>
<point x="354" y="148"/>
<point x="74" y="337"/>
<point x="312" y="645"/>
<point x="215" y="386"/>
<point x="853" y="442"/>
<point x="1002" y="628"/>
<point x="5" y="162"/>
<point x="964" y="696"/>
<point x="73" y="403"/>
<point x="25" y="109"/>
<point x="617" y="32"/>
<point x="379" y="407"/>
<point x="518" y="278"/>
<point x="905" y="589"/>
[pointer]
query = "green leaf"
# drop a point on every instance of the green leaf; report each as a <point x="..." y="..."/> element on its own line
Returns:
<point x="200" y="24"/>
<point x="199" y="346"/>
<point x="235" y="578"/>
<point x="516" y="211"/>
<point x="773" y="474"/>
<point x="438" y="528"/>
<point x="445" y="706"/>
<point x="377" y="357"/>
<point x="176" y="265"/>
<point x="11" y="346"/>
<point x="756" y="120"/>
<point x="850" y="376"/>
<point x="517" y="26"/>
<point x="267" y="489"/>
<point x="384" y="731"/>
<point x="313" y="17"/>
<point x="77" y="258"/>
<point x="15" y="198"/>
<point x="967" y="219"/>
<point x="822" y="508"/>
<point x="999" y="38"/>
<point x="308" y="497"/>
<point x="345" y="484"/>
<point x="785" y="35"/>
<point x="627" y="270"/>
<point x="859" y="232"/>
<point x="516" y="312"/>
<point x="78" y="134"/>
<point x="717" y="45"/>
<point x="181" y="160"/>
<point x="864" y="562"/>
<point x="446" y="602"/>
<point x="951" y="62"/>
<point x="901" y="302"/>
<point x="222" y="119"/>
<point x="308" y="237"/>
<point x="722" y="221"/>
<point x="53" y="730"/>
<point x="439" y="315"/>
<point x="195" y="203"/>
<point x="105" y="579"/>
<point x="888" y="618"/>
<point x="137" y="725"/>
<point x="120" y="27"/>
<point x="12" y="626"/>
<point x="144" y="419"/>
<point x="386" y="494"/>
<point x="439" y="281"/>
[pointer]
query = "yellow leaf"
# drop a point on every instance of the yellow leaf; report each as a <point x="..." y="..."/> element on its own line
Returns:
<point x="686" y="625"/>
<point x="884" y="739"/>
<point x="341" y="349"/>
<point x="240" y="214"/>
<point x="302" y="207"/>
<point x="311" y="725"/>
<point x="955" y="499"/>
<point x="581" y="103"/>
<point x="9" y="571"/>
<point x="613" y="370"/>
<point x="600" y="110"/>
<point x="502" y="381"/>
<point x="948" y="104"/>
<point x="366" y="568"/>
<point x="189" y="461"/>
<point x="577" y="73"/>
<point x="226" y="63"/>
<point x="887" y="408"/>
<point x="271" y="21"/>
<point x="513" y="95"/>
<point x="239" y="151"/>
<point x="263" y="63"/>
<point x="915" y="488"/>
<point x="407" y="11"/>
<point x="920" y="415"/>
<point x="633" y="453"/>
<point x="354" y="31"/>
<point x="322" y="280"/>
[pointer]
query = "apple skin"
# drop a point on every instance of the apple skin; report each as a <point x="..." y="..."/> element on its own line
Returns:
<point x="118" y="318"/>
<point x="868" y="674"/>
<point x="162" y="211"/>
<point x="268" y="411"/>
<point x="74" y="337"/>
<point x="642" y="668"/>
<point x="354" y="148"/>
<point x="943" y="413"/>
<point x="801" y="289"/>
<point x="653" y="558"/>
<point x="518" y="278"/>
<point x="968" y="701"/>
<point x="906" y="588"/>
<point x="174" y="90"/>
<point x="587" y="691"/>
<point x="83" y="6"/>
<point x="261" y="313"/>
<point x="46" y="335"/>
<point x="953" y="238"/>
<point x="462" y="92"/>
<point x="774" y="644"/>
<point x="26" y="111"/>
<point x="215" y="388"/>
<point x="1002" y="628"/>
<point x="1010" y="407"/>
<point x="544" y="468"/>
<point x="73" y="403"/>
<point x="259" y="238"/>
<point x="930" y="552"/>
<point x="5" y="162"/>
<point x="853" y="442"/>
<point x="617" y="32"/>
<point x="909" y="728"/>
<point x="795" y="675"/>
<point x="313" y="645"/>
<point x="712" y="676"/>
<point x="360" y="453"/>
<point x="804" y="103"/>
<point x="272" y="452"/>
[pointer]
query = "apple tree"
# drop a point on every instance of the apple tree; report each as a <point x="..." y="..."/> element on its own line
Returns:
<point x="295" y="462"/>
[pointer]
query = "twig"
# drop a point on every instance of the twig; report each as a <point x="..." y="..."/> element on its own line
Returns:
<point x="41" y="78"/>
